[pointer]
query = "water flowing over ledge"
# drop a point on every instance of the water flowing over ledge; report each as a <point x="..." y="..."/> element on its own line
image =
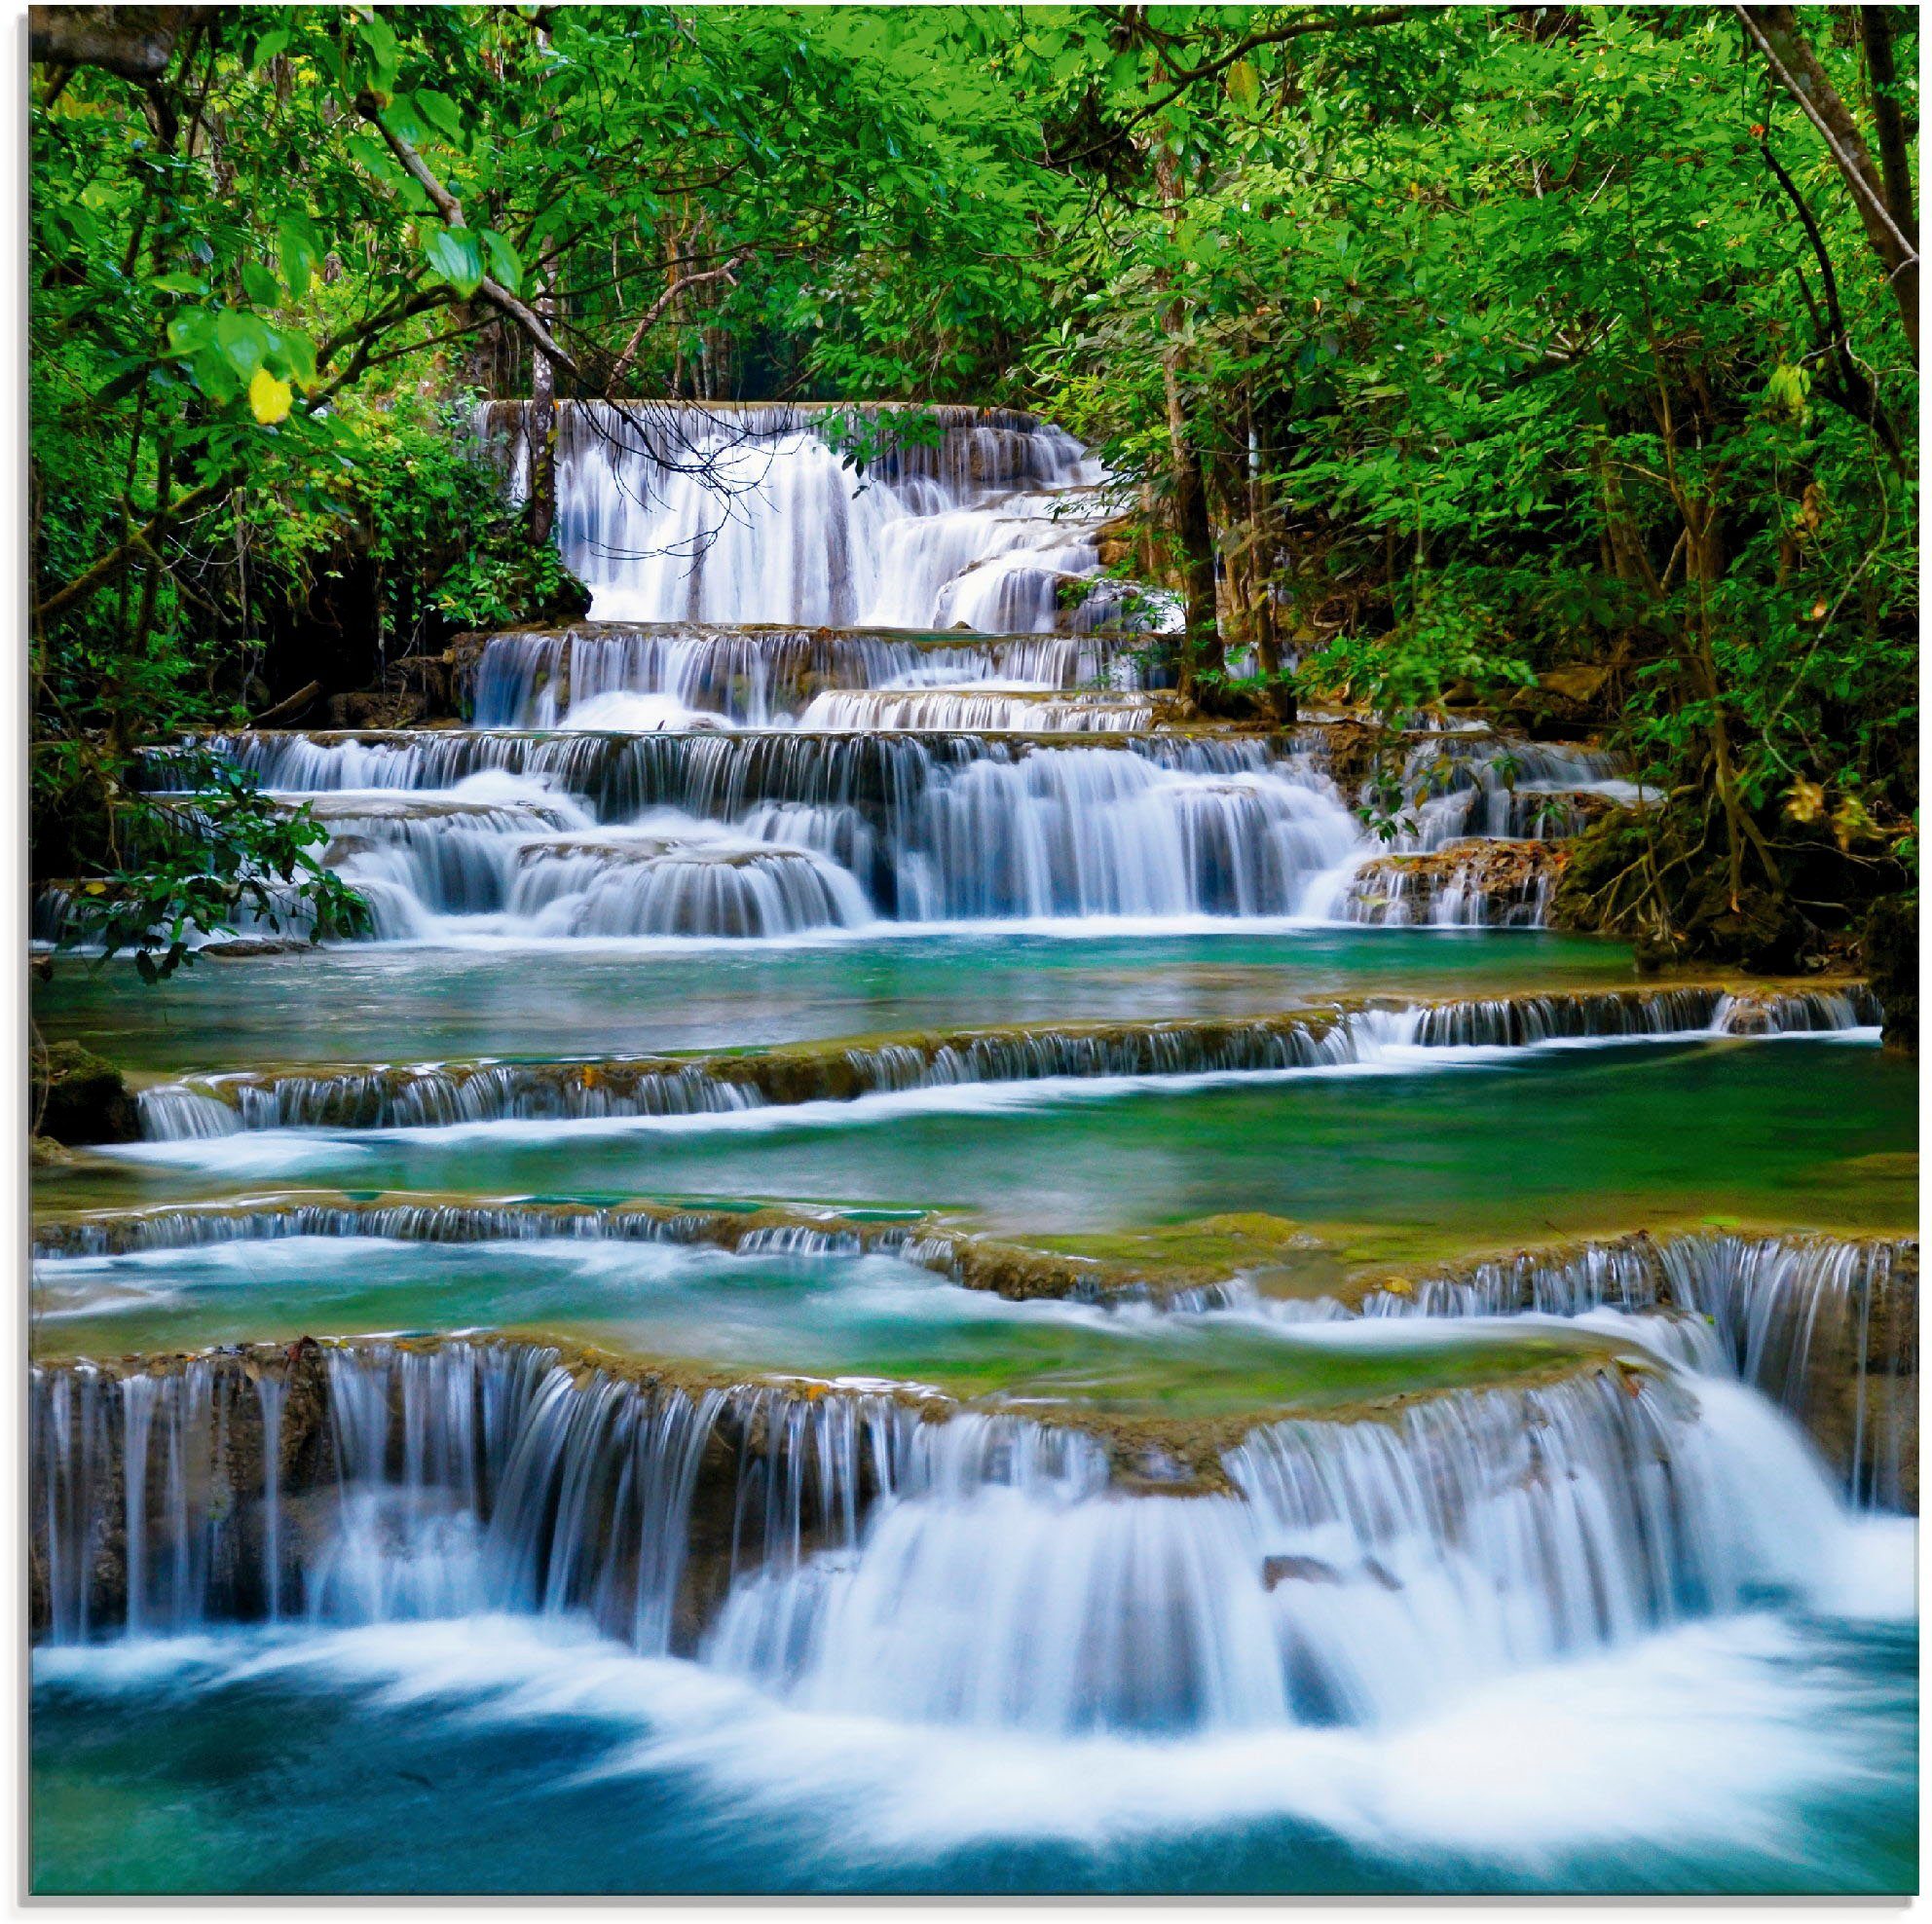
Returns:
<point x="807" y="1538"/>
<point x="925" y="827"/>
<point x="438" y="1094"/>
<point x="642" y="676"/>
<point x="675" y="511"/>
<point x="910" y="805"/>
<point x="1826" y="1328"/>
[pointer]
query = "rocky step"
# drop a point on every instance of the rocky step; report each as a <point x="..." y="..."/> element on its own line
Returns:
<point x="638" y="767"/>
<point x="171" y="1492"/>
<point x="430" y="1095"/>
<point x="1826" y="1325"/>
<point x="538" y="677"/>
<point x="1466" y="884"/>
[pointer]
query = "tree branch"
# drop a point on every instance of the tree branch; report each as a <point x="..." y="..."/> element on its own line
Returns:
<point x="450" y="208"/>
<point x="1338" y="21"/>
<point x="621" y="365"/>
<point x="1855" y="392"/>
<point x="1788" y="54"/>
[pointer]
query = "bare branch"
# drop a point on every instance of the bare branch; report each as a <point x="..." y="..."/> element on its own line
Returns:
<point x="727" y="272"/>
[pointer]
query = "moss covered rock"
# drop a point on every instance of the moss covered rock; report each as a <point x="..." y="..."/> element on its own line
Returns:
<point x="78" y="1097"/>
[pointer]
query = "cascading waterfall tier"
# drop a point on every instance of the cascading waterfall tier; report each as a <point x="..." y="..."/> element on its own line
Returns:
<point x="1469" y="884"/>
<point x="820" y="1544"/>
<point x="929" y="827"/>
<point x="883" y="802"/>
<point x="1826" y="1328"/>
<point x="1477" y="784"/>
<point x="439" y="1094"/>
<point x="976" y="518"/>
<point x="605" y="675"/>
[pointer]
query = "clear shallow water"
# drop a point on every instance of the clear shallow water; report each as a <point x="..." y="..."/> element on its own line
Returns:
<point x="868" y="1317"/>
<point x="1765" y="1753"/>
<point x="1494" y="1148"/>
<point x="392" y="1002"/>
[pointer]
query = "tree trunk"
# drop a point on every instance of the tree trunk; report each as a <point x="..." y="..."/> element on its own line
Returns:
<point x="1894" y="140"/>
<point x="540" y="426"/>
<point x="1200" y="650"/>
<point x="1775" y="32"/>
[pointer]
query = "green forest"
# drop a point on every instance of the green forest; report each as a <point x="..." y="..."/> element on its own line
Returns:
<point x="1547" y="363"/>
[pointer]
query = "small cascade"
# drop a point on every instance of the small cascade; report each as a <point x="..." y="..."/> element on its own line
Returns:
<point x="436" y="1095"/>
<point x="1478" y="1533"/>
<point x="1473" y="884"/>
<point x="704" y="884"/>
<point x="1475" y="784"/>
<point x="393" y="1482"/>
<point x="420" y="853"/>
<point x="679" y="512"/>
<point x="756" y="677"/>
<point x="925" y="710"/>
<point x="1826" y="1328"/>
<point x="460" y="1222"/>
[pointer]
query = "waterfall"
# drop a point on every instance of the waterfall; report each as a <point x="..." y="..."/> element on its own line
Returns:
<point x="757" y="677"/>
<point x="451" y="832"/>
<point x="1466" y="885"/>
<point x="843" y="779"/>
<point x="854" y="1555"/>
<point x="1477" y="785"/>
<point x="673" y="512"/>
<point x="1827" y="1329"/>
<point x="1471" y="1534"/>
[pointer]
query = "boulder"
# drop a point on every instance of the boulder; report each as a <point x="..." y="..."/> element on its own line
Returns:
<point x="77" y="1097"/>
<point x="1888" y="949"/>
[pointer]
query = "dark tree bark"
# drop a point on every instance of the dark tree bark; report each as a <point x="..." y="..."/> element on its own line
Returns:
<point x="1894" y="136"/>
<point x="1201" y="650"/>
<point x="540" y="426"/>
<point x="134" y="41"/>
<point x="1775" y="34"/>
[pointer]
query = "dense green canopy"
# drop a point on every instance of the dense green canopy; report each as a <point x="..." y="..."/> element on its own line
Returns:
<point x="1437" y="352"/>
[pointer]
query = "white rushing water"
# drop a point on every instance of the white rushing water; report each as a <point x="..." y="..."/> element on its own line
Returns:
<point x="761" y="737"/>
<point x="975" y="1572"/>
<point x="754" y="514"/>
<point x="776" y="835"/>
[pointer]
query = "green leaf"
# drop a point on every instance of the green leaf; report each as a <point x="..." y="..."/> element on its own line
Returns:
<point x="1244" y="86"/>
<point x="190" y="331"/>
<point x="180" y="281"/>
<point x="298" y="351"/>
<point x="299" y="256"/>
<point x="440" y="111"/>
<point x="455" y="256"/>
<point x="505" y="263"/>
<point x="260" y="286"/>
<point x="242" y="339"/>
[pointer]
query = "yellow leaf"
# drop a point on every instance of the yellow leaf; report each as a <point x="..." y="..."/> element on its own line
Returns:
<point x="269" y="397"/>
<point x="1807" y="802"/>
